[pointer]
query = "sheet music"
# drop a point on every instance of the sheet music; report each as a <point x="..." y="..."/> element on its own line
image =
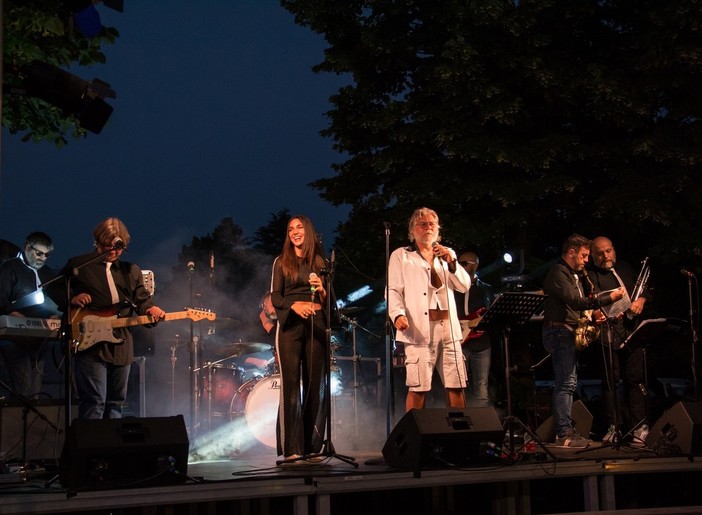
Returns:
<point x="617" y="308"/>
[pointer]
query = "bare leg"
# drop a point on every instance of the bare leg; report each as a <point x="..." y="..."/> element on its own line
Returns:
<point x="415" y="400"/>
<point x="456" y="397"/>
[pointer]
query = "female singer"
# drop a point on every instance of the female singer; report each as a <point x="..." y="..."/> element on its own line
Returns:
<point x="298" y="296"/>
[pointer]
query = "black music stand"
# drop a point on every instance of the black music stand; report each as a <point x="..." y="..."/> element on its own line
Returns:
<point x="653" y="329"/>
<point x="507" y="310"/>
<point x="645" y="334"/>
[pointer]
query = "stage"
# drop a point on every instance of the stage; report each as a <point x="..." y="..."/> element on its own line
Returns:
<point x="529" y="479"/>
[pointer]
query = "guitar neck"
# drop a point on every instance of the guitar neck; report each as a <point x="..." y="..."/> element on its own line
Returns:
<point x="146" y="319"/>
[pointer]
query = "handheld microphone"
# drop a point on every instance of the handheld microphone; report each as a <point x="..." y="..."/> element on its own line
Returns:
<point x="687" y="273"/>
<point x="118" y="244"/>
<point x="312" y="276"/>
<point x="191" y="266"/>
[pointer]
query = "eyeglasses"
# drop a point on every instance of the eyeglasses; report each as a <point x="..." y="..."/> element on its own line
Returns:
<point x="465" y="263"/>
<point x="39" y="253"/>
<point x="424" y="225"/>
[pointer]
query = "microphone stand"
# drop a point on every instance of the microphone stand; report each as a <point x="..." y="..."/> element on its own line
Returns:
<point x="389" y="343"/>
<point x="68" y="339"/>
<point x="66" y="335"/>
<point x="194" y="365"/>
<point x="693" y="332"/>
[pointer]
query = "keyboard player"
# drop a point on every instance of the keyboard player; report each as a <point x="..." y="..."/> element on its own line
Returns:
<point x="20" y="296"/>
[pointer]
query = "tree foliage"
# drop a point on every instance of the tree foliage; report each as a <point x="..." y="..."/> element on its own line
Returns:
<point x="518" y="121"/>
<point x="42" y="30"/>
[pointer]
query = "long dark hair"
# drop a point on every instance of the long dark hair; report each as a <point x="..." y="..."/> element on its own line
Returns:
<point x="312" y="251"/>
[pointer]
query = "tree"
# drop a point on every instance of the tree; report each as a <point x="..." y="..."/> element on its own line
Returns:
<point x="269" y="238"/>
<point x="221" y="272"/>
<point x="41" y="31"/>
<point x="519" y="122"/>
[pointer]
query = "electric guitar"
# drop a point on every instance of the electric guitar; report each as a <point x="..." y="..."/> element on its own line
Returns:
<point x="470" y="321"/>
<point x="89" y="327"/>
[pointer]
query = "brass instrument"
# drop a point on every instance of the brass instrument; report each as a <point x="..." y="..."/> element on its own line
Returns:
<point x="640" y="284"/>
<point x="641" y="280"/>
<point x="586" y="332"/>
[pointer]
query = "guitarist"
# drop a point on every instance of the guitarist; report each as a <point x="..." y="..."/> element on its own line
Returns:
<point x="477" y="345"/>
<point x="107" y="286"/>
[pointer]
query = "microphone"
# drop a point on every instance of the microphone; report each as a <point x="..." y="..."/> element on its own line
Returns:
<point x="191" y="266"/>
<point x="687" y="273"/>
<point x="118" y="244"/>
<point x="312" y="276"/>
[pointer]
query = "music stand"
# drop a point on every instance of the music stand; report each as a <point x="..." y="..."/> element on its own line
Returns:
<point x="652" y="329"/>
<point x="507" y="310"/>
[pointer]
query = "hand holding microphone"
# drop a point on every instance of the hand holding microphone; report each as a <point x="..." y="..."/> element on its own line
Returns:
<point x="441" y="251"/>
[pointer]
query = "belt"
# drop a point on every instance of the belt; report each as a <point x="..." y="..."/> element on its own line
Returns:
<point x="558" y="324"/>
<point x="438" y="314"/>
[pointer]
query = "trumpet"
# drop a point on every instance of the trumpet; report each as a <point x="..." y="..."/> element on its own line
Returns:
<point x="641" y="280"/>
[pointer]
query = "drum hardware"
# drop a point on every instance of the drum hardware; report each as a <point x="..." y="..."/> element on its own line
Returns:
<point x="355" y="358"/>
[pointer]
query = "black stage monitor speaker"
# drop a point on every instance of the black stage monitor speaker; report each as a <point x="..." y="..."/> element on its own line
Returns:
<point x="678" y="431"/>
<point x="582" y="419"/>
<point x="126" y="452"/>
<point x="436" y="437"/>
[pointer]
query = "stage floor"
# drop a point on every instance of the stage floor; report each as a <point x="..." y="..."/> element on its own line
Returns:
<point x="551" y="480"/>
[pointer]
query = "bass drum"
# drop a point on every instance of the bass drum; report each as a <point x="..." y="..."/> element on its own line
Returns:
<point x="257" y="400"/>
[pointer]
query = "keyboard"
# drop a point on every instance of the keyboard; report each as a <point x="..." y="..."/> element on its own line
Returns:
<point x="29" y="328"/>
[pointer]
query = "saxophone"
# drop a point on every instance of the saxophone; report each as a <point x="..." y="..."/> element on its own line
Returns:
<point x="586" y="332"/>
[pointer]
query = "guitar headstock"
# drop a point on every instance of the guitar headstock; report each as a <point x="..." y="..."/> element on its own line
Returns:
<point x="200" y="314"/>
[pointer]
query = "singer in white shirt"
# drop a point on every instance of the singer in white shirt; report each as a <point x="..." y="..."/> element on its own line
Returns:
<point x="421" y="304"/>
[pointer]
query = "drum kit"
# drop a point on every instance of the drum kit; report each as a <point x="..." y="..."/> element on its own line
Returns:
<point x="242" y="384"/>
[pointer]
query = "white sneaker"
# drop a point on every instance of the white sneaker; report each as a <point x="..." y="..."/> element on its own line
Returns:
<point x="640" y="435"/>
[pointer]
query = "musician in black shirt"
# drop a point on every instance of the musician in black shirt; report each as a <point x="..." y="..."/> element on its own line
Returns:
<point x="627" y="364"/>
<point x="20" y="296"/>
<point x="105" y="287"/>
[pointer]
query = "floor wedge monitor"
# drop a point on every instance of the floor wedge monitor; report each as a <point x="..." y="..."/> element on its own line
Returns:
<point x="442" y="437"/>
<point x="125" y="452"/>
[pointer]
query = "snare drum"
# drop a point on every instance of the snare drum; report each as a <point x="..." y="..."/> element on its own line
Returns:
<point x="257" y="401"/>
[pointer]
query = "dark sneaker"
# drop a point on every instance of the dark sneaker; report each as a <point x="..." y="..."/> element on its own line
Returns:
<point x="572" y="440"/>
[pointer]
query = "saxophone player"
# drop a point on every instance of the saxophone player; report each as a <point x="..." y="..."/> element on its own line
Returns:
<point x="627" y="364"/>
<point x="563" y="307"/>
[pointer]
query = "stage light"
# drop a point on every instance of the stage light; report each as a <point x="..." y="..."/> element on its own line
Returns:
<point x="73" y="95"/>
<point x="508" y="258"/>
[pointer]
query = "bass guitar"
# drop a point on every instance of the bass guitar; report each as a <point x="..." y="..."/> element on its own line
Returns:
<point x="89" y="327"/>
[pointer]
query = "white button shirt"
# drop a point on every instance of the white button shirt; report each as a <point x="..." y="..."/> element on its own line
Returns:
<point x="411" y="293"/>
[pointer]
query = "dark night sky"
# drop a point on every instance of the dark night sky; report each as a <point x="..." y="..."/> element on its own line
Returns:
<point x="217" y="115"/>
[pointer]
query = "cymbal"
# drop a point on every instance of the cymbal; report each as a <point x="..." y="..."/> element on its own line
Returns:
<point x="351" y="310"/>
<point x="226" y="322"/>
<point x="234" y="349"/>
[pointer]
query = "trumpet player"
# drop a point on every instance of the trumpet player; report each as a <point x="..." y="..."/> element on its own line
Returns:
<point x="629" y="415"/>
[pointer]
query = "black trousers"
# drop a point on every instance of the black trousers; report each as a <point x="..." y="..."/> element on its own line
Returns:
<point x="302" y="352"/>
